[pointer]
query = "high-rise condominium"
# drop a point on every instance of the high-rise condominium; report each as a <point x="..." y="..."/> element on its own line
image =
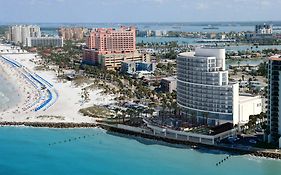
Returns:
<point x="19" y="33"/>
<point x="205" y="94"/>
<point x="274" y="99"/>
<point x="203" y="89"/>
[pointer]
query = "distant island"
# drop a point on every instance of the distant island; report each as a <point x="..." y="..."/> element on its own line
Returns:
<point x="210" y="28"/>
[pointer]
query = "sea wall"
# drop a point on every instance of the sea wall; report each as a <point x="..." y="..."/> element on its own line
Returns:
<point x="251" y="151"/>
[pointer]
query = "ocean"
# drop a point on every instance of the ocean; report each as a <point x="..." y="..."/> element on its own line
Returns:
<point x="169" y="26"/>
<point x="31" y="151"/>
<point x="51" y="29"/>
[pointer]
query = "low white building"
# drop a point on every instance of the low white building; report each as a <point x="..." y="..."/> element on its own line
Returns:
<point x="250" y="105"/>
<point x="44" y="42"/>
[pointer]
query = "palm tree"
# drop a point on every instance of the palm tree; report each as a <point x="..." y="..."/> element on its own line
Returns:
<point x="205" y="116"/>
<point x="193" y="117"/>
<point x="164" y="106"/>
<point x="174" y="106"/>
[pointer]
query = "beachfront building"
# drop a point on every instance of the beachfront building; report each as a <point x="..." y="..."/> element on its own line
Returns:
<point x="109" y="47"/>
<point x="274" y="100"/>
<point x="44" y="42"/>
<point x="72" y="33"/>
<point x="203" y="89"/>
<point x="205" y="93"/>
<point x="19" y="33"/>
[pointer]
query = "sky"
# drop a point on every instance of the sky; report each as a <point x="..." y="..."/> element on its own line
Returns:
<point x="98" y="11"/>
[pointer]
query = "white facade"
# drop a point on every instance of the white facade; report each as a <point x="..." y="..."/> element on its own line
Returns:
<point x="263" y="29"/>
<point x="250" y="105"/>
<point x="25" y="33"/>
<point x="203" y="88"/>
<point x="16" y="34"/>
<point x="19" y="33"/>
<point x="44" y="42"/>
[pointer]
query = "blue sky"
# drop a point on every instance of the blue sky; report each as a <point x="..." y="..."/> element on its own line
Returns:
<point x="139" y="10"/>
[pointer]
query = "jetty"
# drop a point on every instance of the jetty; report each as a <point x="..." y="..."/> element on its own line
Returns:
<point x="50" y="124"/>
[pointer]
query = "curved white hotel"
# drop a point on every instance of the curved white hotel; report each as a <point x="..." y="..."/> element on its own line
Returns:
<point x="203" y="89"/>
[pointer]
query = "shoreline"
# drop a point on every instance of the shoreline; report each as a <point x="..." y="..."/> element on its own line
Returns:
<point x="257" y="152"/>
<point x="24" y="90"/>
<point x="128" y="133"/>
<point x="33" y="92"/>
<point x="45" y="98"/>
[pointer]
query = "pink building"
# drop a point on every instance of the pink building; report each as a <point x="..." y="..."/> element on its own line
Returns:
<point x="121" y="40"/>
<point x="76" y="33"/>
<point x="110" y="46"/>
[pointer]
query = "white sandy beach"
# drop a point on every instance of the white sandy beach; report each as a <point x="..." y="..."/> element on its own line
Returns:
<point x="66" y="100"/>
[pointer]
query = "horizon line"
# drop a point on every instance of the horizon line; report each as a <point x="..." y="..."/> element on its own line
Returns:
<point x="37" y="22"/>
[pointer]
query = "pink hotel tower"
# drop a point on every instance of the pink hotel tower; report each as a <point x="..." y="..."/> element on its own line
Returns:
<point x="109" y="47"/>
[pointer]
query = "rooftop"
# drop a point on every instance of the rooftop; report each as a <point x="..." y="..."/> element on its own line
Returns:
<point x="205" y="52"/>
<point x="173" y="78"/>
<point x="247" y="97"/>
<point x="187" y="54"/>
<point x="275" y="58"/>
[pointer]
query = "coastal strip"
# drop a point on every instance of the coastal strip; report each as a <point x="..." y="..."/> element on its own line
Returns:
<point x="114" y="129"/>
<point x="50" y="124"/>
<point x="37" y="94"/>
<point x="241" y="151"/>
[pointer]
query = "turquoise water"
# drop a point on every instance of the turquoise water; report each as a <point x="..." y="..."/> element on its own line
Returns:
<point x="251" y="47"/>
<point x="26" y="151"/>
<point x="223" y="27"/>
<point x="180" y="40"/>
<point x="244" y="62"/>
